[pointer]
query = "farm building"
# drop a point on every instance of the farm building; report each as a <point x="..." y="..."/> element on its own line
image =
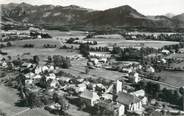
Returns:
<point x="90" y="98"/>
<point x="129" y="103"/>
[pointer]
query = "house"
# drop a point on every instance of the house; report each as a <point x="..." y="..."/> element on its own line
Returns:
<point x="64" y="79"/>
<point x="44" y="68"/>
<point x="50" y="68"/>
<point x="150" y="69"/>
<point x="126" y="70"/>
<point x="99" y="55"/>
<point x="141" y="94"/>
<point x="181" y="50"/>
<point x="27" y="65"/>
<point x="81" y="87"/>
<point x="164" y="60"/>
<point x="29" y="75"/>
<point x="90" y="98"/>
<point x="165" y="52"/>
<point x="134" y="77"/>
<point x="28" y="82"/>
<point x="51" y="76"/>
<point x="4" y="64"/>
<point x="94" y="60"/>
<point x="54" y="83"/>
<point x="103" y="60"/>
<point x="37" y="77"/>
<point x="129" y="103"/>
<point x="38" y="70"/>
<point x="107" y="96"/>
<point x="138" y="93"/>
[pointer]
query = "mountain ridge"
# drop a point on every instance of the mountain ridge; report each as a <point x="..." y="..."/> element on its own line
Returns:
<point x="124" y="16"/>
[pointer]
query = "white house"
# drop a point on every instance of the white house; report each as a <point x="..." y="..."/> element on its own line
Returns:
<point x="99" y="55"/>
<point x="4" y="64"/>
<point x="54" y="83"/>
<point x="94" y="60"/>
<point x="127" y="70"/>
<point x="29" y="75"/>
<point x="89" y="97"/>
<point x="107" y="96"/>
<point x="44" y="68"/>
<point x="134" y="77"/>
<point x="50" y="68"/>
<point x="164" y="60"/>
<point x="129" y="103"/>
<point x="150" y="69"/>
<point x="81" y="87"/>
<point x="38" y="70"/>
<point x="28" y="82"/>
<point x="165" y="51"/>
<point x="37" y="76"/>
<point x="141" y="94"/>
<point x="51" y="76"/>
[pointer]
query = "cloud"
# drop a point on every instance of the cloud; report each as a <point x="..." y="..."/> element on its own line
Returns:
<point x="147" y="7"/>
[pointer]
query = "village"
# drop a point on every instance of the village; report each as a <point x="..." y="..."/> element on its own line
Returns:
<point x="51" y="83"/>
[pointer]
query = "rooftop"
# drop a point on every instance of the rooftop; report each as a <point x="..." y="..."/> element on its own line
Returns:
<point x="127" y="99"/>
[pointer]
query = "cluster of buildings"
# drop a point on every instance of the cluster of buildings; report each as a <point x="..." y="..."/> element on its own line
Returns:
<point x="98" y="60"/>
<point x="84" y="42"/>
<point x="11" y="35"/>
<point x="116" y="98"/>
<point x="116" y="94"/>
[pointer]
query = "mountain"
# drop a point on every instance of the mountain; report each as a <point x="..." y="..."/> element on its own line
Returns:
<point x="126" y="16"/>
<point x="170" y="15"/>
<point x="179" y="20"/>
<point x="123" y="16"/>
<point x="44" y="14"/>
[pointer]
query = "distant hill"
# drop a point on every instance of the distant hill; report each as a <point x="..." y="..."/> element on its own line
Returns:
<point x="179" y="20"/>
<point x="169" y="15"/>
<point x="123" y="16"/>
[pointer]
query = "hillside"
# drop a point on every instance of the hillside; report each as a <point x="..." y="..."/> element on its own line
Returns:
<point x="123" y="16"/>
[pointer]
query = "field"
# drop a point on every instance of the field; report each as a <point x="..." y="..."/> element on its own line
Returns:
<point x="176" y="55"/>
<point x="8" y="98"/>
<point x="78" y="69"/>
<point x="132" y="43"/>
<point x="41" y="52"/>
<point x="37" y="42"/>
<point x="175" y="78"/>
<point x="66" y="34"/>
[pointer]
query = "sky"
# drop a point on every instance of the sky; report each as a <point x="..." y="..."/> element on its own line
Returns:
<point x="146" y="7"/>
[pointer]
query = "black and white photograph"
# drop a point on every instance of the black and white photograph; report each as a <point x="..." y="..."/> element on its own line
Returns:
<point x="91" y="57"/>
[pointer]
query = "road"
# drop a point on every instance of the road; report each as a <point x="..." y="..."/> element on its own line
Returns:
<point x="21" y="112"/>
<point x="167" y="85"/>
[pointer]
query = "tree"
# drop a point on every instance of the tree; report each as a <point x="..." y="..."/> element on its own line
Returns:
<point x="66" y="63"/>
<point x="49" y="59"/>
<point x="34" y="100"/>
<point x="87" y="69"/>
<point x="84" y="49"/>
<point x="61" y="101"/>
<point x="153" y="89"/>
<point x="61" y="61"/>
<point x="9" y="44"/>
<point x="57" y="60"/>
<point x="2" y="113"/>
<point x="36" y="59"/>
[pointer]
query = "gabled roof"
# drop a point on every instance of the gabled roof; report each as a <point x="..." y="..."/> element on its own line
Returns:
<point x="127" y="99"/>
<point x="88" y="94"/>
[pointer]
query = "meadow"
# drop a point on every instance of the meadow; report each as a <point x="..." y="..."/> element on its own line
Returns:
<point x="175" y="78"/>
<point x="133" y="43"/>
